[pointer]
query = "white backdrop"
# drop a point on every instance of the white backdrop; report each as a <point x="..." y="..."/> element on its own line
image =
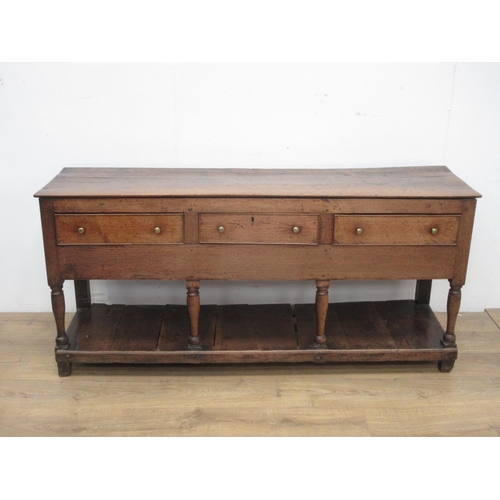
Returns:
<point x="243" y="115"/>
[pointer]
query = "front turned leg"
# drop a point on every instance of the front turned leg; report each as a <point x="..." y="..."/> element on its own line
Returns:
<point x="193" y="303"/>
<point x="62" y="341"/>
<point x="59" y="309"/>
<point x="452" y="308"/>
<point x="321" y="312"/>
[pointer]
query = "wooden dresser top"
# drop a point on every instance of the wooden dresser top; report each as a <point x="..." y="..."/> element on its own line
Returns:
<point x="392" y="182"/>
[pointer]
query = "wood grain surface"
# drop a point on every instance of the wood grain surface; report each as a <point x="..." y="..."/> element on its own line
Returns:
<point x="380" y="399"/>
<point x="243" y="262"/>
<point x="395" y="230"/>
<point x="394" y="182"/>
<point x="259" y="228"/>
<point x="398" y="327"/>
<point x="257" y="205"/>
<point x="118" y="228"/>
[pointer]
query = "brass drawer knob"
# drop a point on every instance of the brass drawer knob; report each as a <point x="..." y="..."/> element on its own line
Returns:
<point x="221" y="229"/>
<point x="81" y="230"/>
<point x="359" y="231"/>
<point x="296" y="230"/>
<point x="434" y="230"/>
<point x="157" y="230"/>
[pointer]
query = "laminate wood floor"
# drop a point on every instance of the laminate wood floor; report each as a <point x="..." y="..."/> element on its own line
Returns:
<point x="248" y="400"/>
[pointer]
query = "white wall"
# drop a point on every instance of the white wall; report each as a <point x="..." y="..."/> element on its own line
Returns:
<point x="243" y="115"/>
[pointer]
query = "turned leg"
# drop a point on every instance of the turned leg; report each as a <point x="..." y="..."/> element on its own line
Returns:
<point x="193" y="303"/>
<point x="321" y="312"/>
<point x="423" y="292"/>
<point x="58" y="308"/>
<point x="62" y="341"/>
<point x="82" y="294"/>
<point x="452" y="308"/>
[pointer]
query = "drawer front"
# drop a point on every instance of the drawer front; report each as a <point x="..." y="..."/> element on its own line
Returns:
<point x="99" y="229"/>
<point x="396" y="229"/>
<point x="282" y="229"/>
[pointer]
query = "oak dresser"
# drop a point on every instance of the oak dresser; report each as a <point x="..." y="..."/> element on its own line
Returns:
<point x="405" y="223"/>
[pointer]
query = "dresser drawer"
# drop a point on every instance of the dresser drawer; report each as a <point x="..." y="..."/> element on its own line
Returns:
<point x="396" y="229"/>
<point x="284" y="229"/>
<point x="100" y="229"/>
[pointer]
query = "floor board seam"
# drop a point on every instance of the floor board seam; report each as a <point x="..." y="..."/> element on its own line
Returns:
<point x="492" y="318"/>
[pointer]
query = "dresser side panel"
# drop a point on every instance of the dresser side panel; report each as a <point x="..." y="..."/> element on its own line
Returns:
<point x="464" y="242"/>
<point x="50" y="242"/>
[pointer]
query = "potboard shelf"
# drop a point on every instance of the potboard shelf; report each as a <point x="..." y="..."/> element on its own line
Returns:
<point x="362" y="331"/>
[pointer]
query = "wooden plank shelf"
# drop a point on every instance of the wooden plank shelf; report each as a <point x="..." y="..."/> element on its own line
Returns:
<point x="362" y="331"/>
